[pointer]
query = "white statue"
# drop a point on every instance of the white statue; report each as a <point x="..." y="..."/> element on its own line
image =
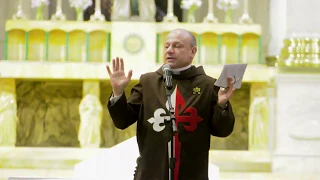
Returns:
<point x="90" y="110"/>
<point x="258" y="124"/>
<point x="8" y="119"/>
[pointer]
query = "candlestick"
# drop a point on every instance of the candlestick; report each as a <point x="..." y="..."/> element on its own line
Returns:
<point x="97" y="16"/>
<point x="245" y="18"/>
<point x="210" y="18"/>
<point x="19" y="14"/>
<point x="170" y="17"/>
<point x="59" y="14"/>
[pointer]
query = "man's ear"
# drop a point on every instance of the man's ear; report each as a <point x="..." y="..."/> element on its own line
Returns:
<point x="193" y="51"/>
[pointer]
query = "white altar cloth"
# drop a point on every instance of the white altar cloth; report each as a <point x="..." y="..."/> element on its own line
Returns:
<point x="118" y="163"/>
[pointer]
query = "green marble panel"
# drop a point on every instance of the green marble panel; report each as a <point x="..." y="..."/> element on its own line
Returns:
<point x="48" y="113"/>
<point x="238" y="140"/>
<point x="111" y="135"/>
<point x="49" y="117"/>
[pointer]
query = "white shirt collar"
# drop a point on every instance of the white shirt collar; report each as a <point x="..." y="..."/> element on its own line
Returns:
<point x="177" y="71"/>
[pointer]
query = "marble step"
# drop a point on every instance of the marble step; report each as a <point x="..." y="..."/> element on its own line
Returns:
<point x="66" y="158"/>
<point x="47" y="173"/>
<point x="44" y="158"/>
<point x="241" y="161"/>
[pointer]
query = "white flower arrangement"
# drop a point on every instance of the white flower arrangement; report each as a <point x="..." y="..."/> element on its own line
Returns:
<point x="227" y="4"/>
<point x="38" y="3"/>
<point x="80" y="4"/>
<point x="191" y="4"/>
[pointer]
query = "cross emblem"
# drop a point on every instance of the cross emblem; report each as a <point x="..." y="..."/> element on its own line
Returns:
<point x="196" y="90"/>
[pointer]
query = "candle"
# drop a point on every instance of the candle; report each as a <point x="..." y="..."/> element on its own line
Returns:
<point x="245" y="18"/>
<point x="245" y="6"/>
<point x="97" y="16"/>
<point x="58" y="15"/>
<point x="170" y="7"/>
<point x="59" y="6"/>
<point x="98" y="5"/>
<point x="210" y="16"/>
<point x="210" y="4"/>
<point x="170" y="17"/>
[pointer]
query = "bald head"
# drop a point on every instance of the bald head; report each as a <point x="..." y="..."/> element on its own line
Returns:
<point x="180" y="48"/>
<point x="186" y="34"/>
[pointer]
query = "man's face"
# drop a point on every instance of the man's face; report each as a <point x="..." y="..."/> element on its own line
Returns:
<point x="178" y="52"/>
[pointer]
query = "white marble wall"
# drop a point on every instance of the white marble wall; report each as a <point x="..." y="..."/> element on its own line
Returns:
<point x="292" y="16"/>
<point x="296" y="129"/>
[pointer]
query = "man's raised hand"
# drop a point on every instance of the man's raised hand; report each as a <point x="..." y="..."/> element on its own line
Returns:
<point x="118" y="79"/>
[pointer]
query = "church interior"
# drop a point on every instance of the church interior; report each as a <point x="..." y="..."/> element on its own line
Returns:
<point x="54" y="86"/>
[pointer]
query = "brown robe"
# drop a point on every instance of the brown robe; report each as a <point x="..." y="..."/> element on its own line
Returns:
<point x="197" y="114"/>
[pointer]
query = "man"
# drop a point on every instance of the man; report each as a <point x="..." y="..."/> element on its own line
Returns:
<point x="201" y="110"/>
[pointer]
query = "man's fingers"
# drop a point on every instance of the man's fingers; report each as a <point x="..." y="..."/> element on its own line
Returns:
<point x="113" y="65"/>
<point x="109" y="71"/>
<point x="117" y="64"/>
<point x="230" y="81"/>
<point x="231" y="86"/>
<point x="129" y="75"/>
<point x="231" y="92"/>
<point x="121" y="64"/>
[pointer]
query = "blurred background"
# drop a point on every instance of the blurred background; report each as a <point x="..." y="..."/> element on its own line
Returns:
<point x="54" y="87"/>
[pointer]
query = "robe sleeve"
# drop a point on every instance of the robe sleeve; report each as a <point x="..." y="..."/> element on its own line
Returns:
<point x="125" y="112"/>
<point x="222" y="122"/>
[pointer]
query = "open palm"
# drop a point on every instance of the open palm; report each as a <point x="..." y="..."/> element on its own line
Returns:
<point x="118" y="79"/>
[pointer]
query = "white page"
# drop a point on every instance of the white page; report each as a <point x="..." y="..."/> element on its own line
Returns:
<point x="235" y="71"/>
